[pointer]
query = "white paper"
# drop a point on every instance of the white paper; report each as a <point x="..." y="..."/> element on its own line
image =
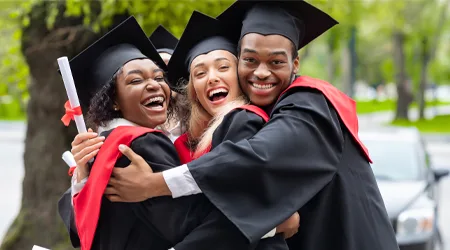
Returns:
<point x="66" y="73"/>
<point x="69" y="159"/>
<point x="39" y="248"/>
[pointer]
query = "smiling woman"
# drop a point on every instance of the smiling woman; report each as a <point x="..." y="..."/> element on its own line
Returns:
<point x="137" y="92"/>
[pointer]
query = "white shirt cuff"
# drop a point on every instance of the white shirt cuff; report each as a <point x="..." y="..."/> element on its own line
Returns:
<point x="270" y="234"/>
<point x="180" y="181"/>
<point x="76" y="186"/>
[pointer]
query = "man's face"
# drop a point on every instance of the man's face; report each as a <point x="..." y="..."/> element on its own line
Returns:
<point x="265" y="67"/>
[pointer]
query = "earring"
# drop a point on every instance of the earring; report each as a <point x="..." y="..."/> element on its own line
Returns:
<point x="116" y="108"/>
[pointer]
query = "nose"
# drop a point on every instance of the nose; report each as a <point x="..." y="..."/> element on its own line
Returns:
<point x="213" y="78"/>
<point x="262" y="72"/>
<point x="152" y="85"/>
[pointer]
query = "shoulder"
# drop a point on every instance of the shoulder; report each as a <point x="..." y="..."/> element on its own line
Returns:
<point x="242" y="116"/>
<point x="154" y="138"/>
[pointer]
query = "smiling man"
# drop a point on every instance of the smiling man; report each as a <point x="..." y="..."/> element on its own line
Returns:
<point x="308" y="157"/>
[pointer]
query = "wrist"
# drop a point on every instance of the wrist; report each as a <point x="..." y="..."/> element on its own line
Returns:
<point x="157" y="186"/>
<point x="81" y="173"/>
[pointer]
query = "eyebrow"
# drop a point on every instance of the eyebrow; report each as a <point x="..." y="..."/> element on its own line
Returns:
<point x="215" y="60"/>
<point x="249" y="51"/>
<point x="138" y="71"/>
<point x="276" y="53"/>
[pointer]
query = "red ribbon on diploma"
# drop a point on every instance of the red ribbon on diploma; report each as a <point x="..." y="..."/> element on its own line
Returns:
<point x="70" y="113"/>
<point x="71" y="169"/>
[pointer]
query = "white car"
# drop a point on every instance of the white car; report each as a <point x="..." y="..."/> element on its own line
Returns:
<point x="408" y="185"/>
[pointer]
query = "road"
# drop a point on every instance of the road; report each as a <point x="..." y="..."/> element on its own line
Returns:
<point x="11" y="148"/>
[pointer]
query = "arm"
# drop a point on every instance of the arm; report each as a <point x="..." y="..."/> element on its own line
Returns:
<point x="236" y="126"/>
<point x="277" y="171"/>
<point x="173" y="219"/>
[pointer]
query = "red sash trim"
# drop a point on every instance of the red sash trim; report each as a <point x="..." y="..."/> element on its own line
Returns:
<point x="344" y="105"/>
<point x="252" y="108"/>
<point x="87" y="203"/>
<point x="181" y="145"/>
<point x="257" y="110"/>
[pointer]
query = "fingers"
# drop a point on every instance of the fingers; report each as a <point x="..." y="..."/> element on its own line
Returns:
<point x="79" y="138"/>
<point x="89" y="142"/>
<point x="85" y="159"/>
<point x="110" y="191"/>
<point x="114" y="182"/>
<point x="87" y="149"/>
<point x="114" y="198"/>
<point x="131" y="155"/>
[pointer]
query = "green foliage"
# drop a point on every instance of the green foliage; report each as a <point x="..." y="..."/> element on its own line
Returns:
<point x="438" y="124"/>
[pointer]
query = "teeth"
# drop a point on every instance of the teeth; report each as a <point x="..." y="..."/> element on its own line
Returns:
<point x="158" y="99"/>
<point x="216" y="91"/>
<point x="265" y="86"/>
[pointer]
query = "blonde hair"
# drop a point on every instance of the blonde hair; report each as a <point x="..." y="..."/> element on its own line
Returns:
<point x="198" y="118"/>
<point x="206" y="138"/>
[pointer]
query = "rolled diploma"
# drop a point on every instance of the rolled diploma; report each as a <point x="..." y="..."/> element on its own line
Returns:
<point x="66" y="73"/>
<point x="39" y="248"/>
<point x="69" y="159"/>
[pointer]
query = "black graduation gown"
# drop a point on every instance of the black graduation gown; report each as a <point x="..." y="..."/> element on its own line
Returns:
<point x="304" y="159"/>
<point x="161" y="222"/>
<point x="237" y="125"/>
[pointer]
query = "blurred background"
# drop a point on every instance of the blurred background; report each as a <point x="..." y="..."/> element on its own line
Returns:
<point x="391" y="56"/>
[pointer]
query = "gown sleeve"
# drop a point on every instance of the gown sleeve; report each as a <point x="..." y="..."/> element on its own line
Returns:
<point x="65" y="211"/>
<point x="236" y="125"/>
<point x="174" y="219"/>
<point x="259" y="182"/>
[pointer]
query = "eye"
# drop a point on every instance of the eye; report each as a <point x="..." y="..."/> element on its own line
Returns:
<point x="276" y="62"/>
<point x="159" y="79"/>
<point x="198" y="74"/>
<point x="249" y="60"/>
<point x="224" y="67"/>
<point x="136" y="81"/>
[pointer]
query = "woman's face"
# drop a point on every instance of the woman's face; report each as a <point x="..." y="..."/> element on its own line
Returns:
<point x="142" y="93"/>
<point x="214" y="78"/>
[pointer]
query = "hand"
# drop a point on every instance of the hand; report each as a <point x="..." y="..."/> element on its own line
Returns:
<point x="136" y="182"/>
<point x="85" y="147"/>
<point x="290" y="226"/>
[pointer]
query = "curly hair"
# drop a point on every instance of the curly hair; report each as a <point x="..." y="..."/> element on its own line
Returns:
<point x="101" y="108"/>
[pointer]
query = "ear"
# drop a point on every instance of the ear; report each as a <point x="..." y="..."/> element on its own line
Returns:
<point x="296" y="64"/>
<point x="116" y="106"/>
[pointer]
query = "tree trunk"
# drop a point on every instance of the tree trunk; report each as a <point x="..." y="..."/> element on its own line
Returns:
<point x="424" y="59"/>
<point x="46" y="138"/>
<point x="404" y="93"/>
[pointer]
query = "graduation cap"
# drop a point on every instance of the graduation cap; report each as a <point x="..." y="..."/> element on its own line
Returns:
<point x="202" y="35"/>
<point x="95" y="66"/>
<point x="163" y="40"/>
<point x="296" y="20"/>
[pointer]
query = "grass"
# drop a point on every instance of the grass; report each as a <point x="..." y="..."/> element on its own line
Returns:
<point x="364" y="107"/>
<point x="439" y="124"/>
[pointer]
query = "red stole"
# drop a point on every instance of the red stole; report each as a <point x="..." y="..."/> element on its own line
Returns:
<point x="87" y="203"/>
<point x="181" y="145"/>
<point x="257" y="110"/>
<point x="344" y="105"/>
